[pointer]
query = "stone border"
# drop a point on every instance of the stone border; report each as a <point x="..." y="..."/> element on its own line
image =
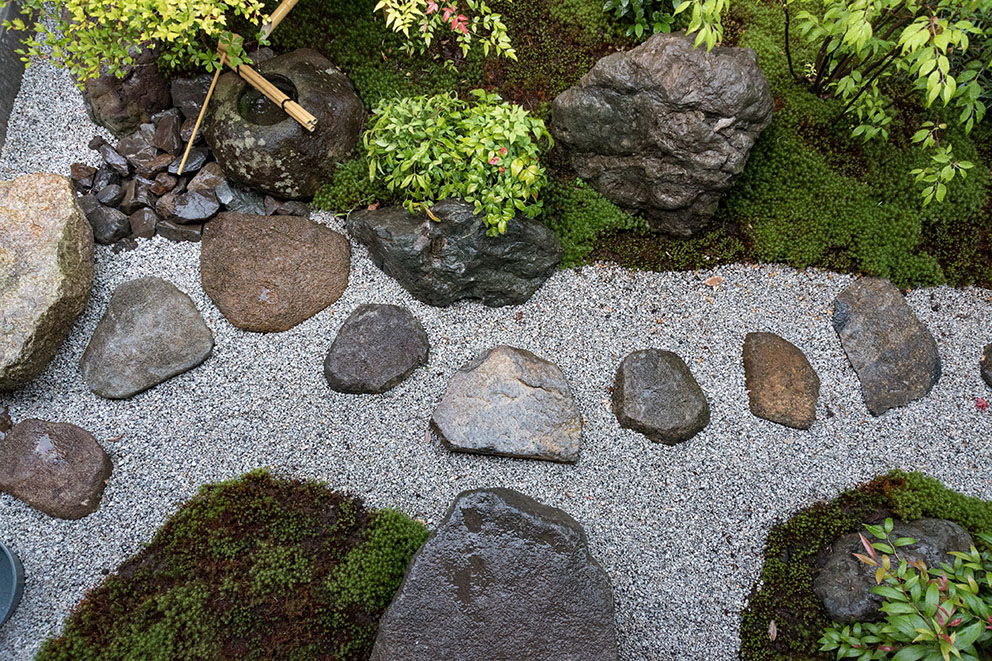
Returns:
<point x="11" y="67"/>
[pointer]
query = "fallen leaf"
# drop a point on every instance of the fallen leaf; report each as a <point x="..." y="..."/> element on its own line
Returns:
<point x="772" y="631"/>
<point x="115" y="438"/>
<point x="981" y="404"/>
<point x="713" y="282"/>
<point x="373" y="206"/>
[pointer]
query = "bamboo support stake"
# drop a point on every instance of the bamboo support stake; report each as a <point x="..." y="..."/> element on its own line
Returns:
<point x="203" y="110"/>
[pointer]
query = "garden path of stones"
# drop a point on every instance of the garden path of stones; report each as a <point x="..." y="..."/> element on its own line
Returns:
<point x="678" y="528"/>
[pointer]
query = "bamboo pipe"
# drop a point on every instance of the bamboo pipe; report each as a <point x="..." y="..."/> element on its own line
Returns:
<point x="275" y="19"/>
<point x="203" y="110"/>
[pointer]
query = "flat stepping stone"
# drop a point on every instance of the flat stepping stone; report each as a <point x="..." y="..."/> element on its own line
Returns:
<point x="54" y="467"/>
<point x="503" y="577"/>
<point x="377" y="347"/>
<point x="150" y="332"/>
<point x="270" y="273"/>
<point x="781" y="384"/>
<point x="510" y="402"/>
<point x="46" y="272"/>
<point x="986" y="365"/>
<point x="894" y="354"/>
<point x="655" y="394"/>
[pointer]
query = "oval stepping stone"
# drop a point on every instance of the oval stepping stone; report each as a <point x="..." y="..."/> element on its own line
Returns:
<point x="655" y="394"/>
<point x="986" y="365"/>
<point x="894" y="354"/>
<point x="150" y="332"/>
<point x="503" y="577"/>
<point x="377" y="347"/>
<point x="270" y="273"/>
<point x="781" y="384"/>
<point x="510" y="402"/>
<point x="54" y="467"/>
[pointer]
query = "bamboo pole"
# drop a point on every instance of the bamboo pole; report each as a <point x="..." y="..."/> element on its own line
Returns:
<point x="275" y="19"/>
<point x="203" y="110"/>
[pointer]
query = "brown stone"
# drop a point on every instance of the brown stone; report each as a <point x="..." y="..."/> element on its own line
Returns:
<point x="270" y="273"/>
<point x="54" y="467"/>
<point x="781" y="384"/>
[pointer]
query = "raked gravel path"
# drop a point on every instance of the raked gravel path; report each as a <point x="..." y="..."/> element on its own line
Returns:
<point x="679" y="529"/>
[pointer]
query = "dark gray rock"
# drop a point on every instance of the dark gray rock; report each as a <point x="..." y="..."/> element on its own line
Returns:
<point x="186" y="132"/>
<point x="510" y="402"/>
<point x="150" y="332"/>
<point x="894" y="354"/>
<point x="54" y="467"/>
<point x="192" y="206"/>
<point x="503" y="577"/>
<point x="143" y="223"/>
<point x="123" y="104"/>
<point x="197" y="159"/>
<point x="175" y="232"/>
<point x="164" y="182"/>
<point x="105" y="176"/>
<point x="82" y="175"/>
<point x="110" y="195"/>
<point x="443" y="262"/>
<point x="137" y="194"/>
<point x="844" y="583"/>
<point x="109" y="225"/>
<point x="207" y="179"/>
<point x="781" y="384"/>
<point x="240" y="200"/>
<point x="167" y="128"/>
<point x="188" y="95"/>
<point x="88" y="203"/>
<point x="155" y="166"/>
<point x="137" y="149"/>
<point x="113" y="159"/>
<point x="377" y="347"/>
<point x="655" y="394"/>
<point x="986" y="365"/>
<point x="260" y="146"/>
<point x="276" y="207"/>
<point x="665" y="129"/>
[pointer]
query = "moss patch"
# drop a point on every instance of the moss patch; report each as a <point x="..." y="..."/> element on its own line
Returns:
<point x="256" y="568"/>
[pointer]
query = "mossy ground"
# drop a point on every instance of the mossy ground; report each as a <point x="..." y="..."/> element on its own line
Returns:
<point x="796" y="548"/>
<point x="256" y="568"/>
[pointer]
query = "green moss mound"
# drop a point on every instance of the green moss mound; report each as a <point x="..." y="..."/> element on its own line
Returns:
<point x="260" y="567"/>
<point x="796" y="548"/>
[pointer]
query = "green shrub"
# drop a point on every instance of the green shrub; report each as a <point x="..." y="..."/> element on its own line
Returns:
<point x="255" y="568"/>
<point x="350" y="188"/>
<point x="430" y="148"/>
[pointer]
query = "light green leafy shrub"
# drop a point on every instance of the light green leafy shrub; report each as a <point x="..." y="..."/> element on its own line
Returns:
<point x="440" y="19"/>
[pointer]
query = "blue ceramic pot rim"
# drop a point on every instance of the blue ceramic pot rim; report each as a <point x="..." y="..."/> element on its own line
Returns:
<point x="11" y="595"/>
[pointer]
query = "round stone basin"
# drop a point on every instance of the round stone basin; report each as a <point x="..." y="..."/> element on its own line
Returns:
<point x="256" y="108"/>
<point x="11" y="582"/>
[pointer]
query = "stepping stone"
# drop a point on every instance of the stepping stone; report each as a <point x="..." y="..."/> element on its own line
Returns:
<point x="781" y="384"/>
<point x="894" y="354"/>
<point x="54" y="467"/>
<point x="46" y="272"/>
<point x="150" y="332"/>
<point x="270" y="273"/>
<point x="503" y="577"/>
<point x="377" y="347"/>
<point x="510" y="402"/>
<point x="655" y="394"/>
<point x="986" y="365"/>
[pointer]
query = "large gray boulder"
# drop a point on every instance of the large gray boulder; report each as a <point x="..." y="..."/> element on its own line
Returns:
<point x="46" y="272"/>
<point x="844" y="583"/>
<point x="893" y="353"/>
<point x="665" y="129"/>
<point x="121" y="104"/>
<point x="503" y="578"/>
<point x="781" y="384"/>
<point x="452" y="258"/>
<point x="260" y="146"/>
<point x="510" y="402"/>
<point x="150" y="333"/>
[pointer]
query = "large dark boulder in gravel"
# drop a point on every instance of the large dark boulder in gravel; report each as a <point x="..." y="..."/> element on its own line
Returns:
<point x="54" y="467"/>
<point x="844" y="583"/>
<point x="260" y="146"/>
<point x="655" y="394"/>
<point x="270" y="273"/>
<point x="377" y="347"/>
<point x="150" y="333"/>
<point x="510" y="402"/>
<point x="781" y="384"/>
<point x="46" y="272"/>
<point x="450" y="259"/>
<point x="893" y="353"/>
<point x="986" y="365"/>
<point x="665" y="129"/>
<point x="122" y="104"/>
<point x="503" y="577"/>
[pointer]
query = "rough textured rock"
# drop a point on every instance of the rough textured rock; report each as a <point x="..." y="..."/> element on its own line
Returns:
<point x="150" y="332"/>
<point x="503" y="577"/>
<point x="270" y="273"/>
<point x="167" y="127"/>
<point x="781" y="384"/>
<point x="122" y="104"/>
<point x="54" y="467"/>
<point x="655" y="394"/>
<point x="665" y="128"/>
<point x="143" y="222"/>
<point x="894" y="354"/>
<point x="109" y="225"/>
<point x="986" y="365"/>
<point x="46" y="271"/>
<point x="844" y="583"/>
<point x="510" y="402"/>
<point x="377" y="347"/>
<point x="240" y="200"/>
<point x="173" y="231"/>
<point x="283" y="158"/>
<point x="443" y="262"/>
<point x="188" y="95"/>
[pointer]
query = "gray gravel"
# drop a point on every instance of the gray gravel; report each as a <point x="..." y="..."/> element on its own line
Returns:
<point x="679" y="529"/>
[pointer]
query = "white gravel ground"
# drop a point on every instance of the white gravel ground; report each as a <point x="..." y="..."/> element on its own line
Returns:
<point x="679" y="529"/>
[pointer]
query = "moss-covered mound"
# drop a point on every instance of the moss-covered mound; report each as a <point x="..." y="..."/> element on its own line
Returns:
<point x="798" y="547"/>
<point x="256" y="568"/>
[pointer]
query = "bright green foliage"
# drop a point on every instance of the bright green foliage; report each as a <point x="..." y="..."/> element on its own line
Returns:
<point x="437" y="20"/>
<point x="644" y="16"/>
<point x="705" y="20"/>
<point x="431" y="148"/>
<point x="244" y="570"/>
<point x="931" y="613"/>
